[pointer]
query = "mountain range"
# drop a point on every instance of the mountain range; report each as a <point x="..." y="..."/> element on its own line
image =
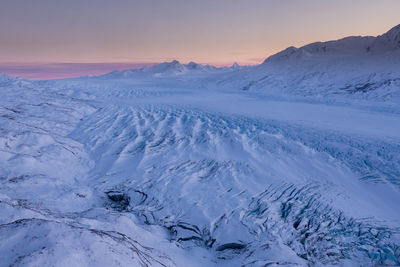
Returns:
<point x="363" y="67"/>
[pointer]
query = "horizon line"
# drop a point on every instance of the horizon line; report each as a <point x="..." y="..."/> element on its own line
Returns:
<point x="65" y="70"/>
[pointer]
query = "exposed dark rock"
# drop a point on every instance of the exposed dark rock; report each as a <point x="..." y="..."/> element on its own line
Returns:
<point x="120" y="201"/>
<point x="234" y="246"/>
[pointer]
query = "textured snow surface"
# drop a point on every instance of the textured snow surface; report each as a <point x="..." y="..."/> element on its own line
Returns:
<point x="177" y="165"/>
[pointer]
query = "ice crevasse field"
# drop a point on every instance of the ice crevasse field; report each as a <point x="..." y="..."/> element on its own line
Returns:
<point x="293" y="162"/>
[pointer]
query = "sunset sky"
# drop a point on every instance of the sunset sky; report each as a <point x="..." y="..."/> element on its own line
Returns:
<point x="217" y="32"/>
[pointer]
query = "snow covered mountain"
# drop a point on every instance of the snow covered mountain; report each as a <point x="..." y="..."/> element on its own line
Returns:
<point x="354" y="46"/>
<point x="357" y="67"/>
<point x="165" y="69"/>
<point x="188" y="165"/>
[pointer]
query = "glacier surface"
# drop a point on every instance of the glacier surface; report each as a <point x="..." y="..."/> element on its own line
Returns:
<point x="294" y="162"/>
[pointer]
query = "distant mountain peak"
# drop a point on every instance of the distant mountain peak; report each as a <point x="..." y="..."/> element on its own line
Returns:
<point x="174" y="63"/>
<point x="193" y="65"/>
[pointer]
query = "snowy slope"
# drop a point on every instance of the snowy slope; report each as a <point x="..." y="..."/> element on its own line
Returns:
<point x="352" y="47"/>
<point x="48" y="216"/>
<point x="172" y="165"/>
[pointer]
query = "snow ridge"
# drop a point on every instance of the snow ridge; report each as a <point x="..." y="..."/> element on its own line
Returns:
<point x="354" y="46"/>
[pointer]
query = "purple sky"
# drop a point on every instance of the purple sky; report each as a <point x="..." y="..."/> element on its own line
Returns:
<point x="217" y="32"/>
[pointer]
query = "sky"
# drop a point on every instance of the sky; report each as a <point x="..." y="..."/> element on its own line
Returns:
<point x="96" y="34"/>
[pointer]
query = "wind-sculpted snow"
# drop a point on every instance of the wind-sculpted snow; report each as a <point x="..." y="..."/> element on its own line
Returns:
<point x="41" y="192"/>
<point x="215" y="182"/>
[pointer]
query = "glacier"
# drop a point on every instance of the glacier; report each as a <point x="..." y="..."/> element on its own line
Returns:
<point x="293" y="162"/>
